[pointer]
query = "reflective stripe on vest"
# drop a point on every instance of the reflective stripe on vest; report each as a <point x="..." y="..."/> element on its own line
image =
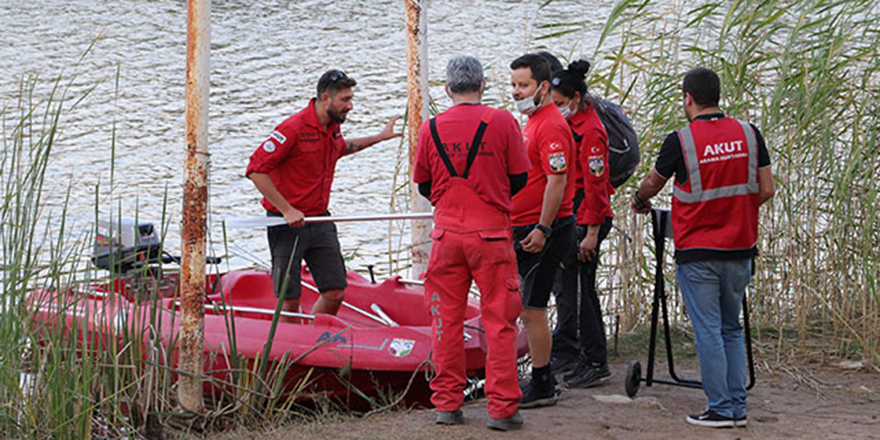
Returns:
<point x="697" y="194"/>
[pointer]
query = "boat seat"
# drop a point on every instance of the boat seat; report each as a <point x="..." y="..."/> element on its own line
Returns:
<point x="251" y="288"/>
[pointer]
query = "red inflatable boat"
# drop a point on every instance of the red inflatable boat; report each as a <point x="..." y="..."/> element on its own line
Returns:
<point x="379" y="342"/>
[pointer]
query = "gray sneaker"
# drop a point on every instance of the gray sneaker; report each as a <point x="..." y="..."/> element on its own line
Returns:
<point x="450" y="417"/>
<point x="511" y="423"/>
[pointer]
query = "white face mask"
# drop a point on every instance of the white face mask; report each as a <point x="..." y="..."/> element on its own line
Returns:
<point x="566" y="111"/>
<point x="528" y="105"/>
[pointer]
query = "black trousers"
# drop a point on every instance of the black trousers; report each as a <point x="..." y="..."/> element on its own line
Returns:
<point x="580" y="330"/>
<point x="537" y="271"/>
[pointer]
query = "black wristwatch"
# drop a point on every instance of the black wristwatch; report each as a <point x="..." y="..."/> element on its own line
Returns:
<point x="545" y="229"/>
<point x="639" y="203"/>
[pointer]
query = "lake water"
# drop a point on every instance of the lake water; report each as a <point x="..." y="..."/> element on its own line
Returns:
<point x="265" y="61"/>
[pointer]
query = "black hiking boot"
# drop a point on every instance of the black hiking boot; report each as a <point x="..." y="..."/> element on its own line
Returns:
<point x="561" y="365"/>
<point x="587" y="375"/>
<point x="538" y="395"/>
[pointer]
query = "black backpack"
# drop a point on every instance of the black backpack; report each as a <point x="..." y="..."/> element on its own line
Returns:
<point x="623" y="143"/>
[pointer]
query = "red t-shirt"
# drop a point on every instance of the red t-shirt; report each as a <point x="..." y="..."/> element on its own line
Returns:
<point x="590" y="169"/>
<point x="501" y="154"/>
<point x="548" y="141"/>
<point x="300" y="157"/>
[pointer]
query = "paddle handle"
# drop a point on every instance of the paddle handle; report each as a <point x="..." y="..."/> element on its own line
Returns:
<point x="262" y="222"/>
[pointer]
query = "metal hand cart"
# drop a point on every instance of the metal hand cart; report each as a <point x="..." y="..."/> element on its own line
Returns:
<point x="661" y="222"/>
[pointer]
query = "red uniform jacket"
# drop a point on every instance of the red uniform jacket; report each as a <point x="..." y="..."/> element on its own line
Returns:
<point x="591" y="167"/>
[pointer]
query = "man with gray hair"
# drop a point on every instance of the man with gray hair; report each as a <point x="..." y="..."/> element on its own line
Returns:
<point x="469" y="163"/>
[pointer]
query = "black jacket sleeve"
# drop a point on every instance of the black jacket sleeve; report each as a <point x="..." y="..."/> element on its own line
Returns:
<point x="425" y="189"/>
<point x="517" y="182"/>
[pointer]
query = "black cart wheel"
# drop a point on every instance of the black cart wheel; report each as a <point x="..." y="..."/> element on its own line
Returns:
<point x="633" y="378"/>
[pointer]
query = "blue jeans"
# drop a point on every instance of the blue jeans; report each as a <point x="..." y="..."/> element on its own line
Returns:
<point x="713" y="292"/>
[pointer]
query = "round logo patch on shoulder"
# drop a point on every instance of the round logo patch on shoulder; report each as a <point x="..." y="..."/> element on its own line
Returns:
<point x="268" y="146"/>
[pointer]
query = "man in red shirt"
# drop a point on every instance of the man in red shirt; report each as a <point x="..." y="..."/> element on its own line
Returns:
<point x="470" y="161"/>
<point x="293" y="170"/>
<point x="543" y="221"/>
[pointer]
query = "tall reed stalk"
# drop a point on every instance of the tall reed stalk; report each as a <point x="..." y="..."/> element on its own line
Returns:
<point x="806" y="73"/>
<point x="106" y="375"/>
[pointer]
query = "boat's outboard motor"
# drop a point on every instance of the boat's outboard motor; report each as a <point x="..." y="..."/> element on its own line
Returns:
<point x="123" y="245"/>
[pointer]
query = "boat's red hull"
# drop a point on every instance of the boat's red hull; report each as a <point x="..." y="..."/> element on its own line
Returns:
<point x="336" y="353"/>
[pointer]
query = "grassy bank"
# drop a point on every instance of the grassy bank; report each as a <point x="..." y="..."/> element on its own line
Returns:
<point x="102" y="374"/>
<point x="805" y="73"/>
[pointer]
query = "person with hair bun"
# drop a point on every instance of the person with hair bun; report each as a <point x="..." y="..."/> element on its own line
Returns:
<point x="579" y="338"/>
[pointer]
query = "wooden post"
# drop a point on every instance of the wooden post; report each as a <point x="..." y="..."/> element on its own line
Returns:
<point x="417" y="112"/>
<point x="195" y="202"/>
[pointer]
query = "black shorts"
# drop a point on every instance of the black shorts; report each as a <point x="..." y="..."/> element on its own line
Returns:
<point x="538" y="271"/>
<point x="318" y="244"/>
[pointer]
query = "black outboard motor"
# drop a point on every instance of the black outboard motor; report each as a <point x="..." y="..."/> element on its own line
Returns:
<point x="123" y="245"/>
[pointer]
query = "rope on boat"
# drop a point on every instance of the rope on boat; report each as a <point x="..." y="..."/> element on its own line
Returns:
<point x="425" y="363"/>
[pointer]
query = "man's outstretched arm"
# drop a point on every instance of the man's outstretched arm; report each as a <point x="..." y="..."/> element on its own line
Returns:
<point x="358" y="144"/>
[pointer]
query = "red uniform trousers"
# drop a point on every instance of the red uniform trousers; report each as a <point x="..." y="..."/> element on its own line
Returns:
<point x="472" y="241"/>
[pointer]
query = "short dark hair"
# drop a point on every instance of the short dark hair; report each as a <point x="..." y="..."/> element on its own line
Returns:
<point x="333" y="81"/>
<point x="551" y="60"/>
<point x="538" y="66"/>
<point x="703" y="85"/>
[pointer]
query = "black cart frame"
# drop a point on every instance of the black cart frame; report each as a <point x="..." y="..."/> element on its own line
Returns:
<point x="661" y="222"/>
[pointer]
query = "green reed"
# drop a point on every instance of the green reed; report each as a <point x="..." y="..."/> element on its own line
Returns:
<point x="105" y="375"/>
<point x="805" y="73"/>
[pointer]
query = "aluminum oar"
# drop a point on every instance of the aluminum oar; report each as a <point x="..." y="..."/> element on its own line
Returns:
<point x="350" y="306"/>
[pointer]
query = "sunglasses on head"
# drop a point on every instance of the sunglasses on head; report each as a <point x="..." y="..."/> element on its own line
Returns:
<point x="337" y="75"/>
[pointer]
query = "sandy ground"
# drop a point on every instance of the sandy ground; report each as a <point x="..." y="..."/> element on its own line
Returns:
<point x="829" y="402"/>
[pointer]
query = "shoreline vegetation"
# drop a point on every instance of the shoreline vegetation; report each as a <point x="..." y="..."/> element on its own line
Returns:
<point x="805" y="72"/>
